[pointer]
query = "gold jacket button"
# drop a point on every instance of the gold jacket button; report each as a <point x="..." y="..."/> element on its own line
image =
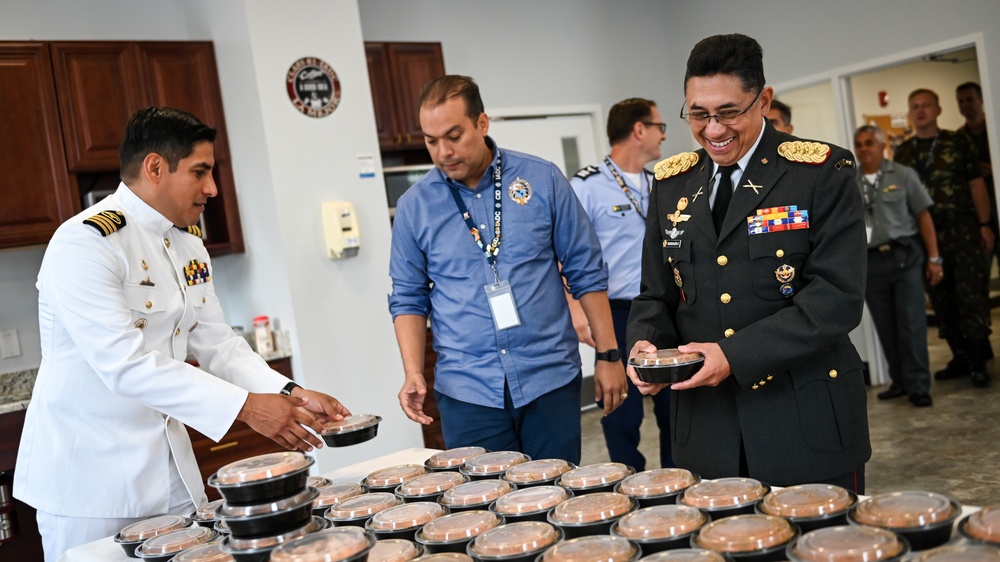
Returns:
<point x="167" y="242"/>
<point x="149" y="304"/>
<point x="780" y="253"/>
<point x="729" y="332"/>
<point x="722" y="260"/>
<point x="770" y="377"/>
<point x="202" y="300"/>
<point x="833" y="373"/>
<point x="755" y="387"/>
<point x="168" y="422"/>
<point x="725" y="298"/>
<point x="177" y="332"/>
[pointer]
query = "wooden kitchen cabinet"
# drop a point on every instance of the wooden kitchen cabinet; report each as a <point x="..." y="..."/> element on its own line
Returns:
<point x="92" y="88"/>
<point x="397" y="72"/>
<point x="239" y="443"/>
<point x="36" y="194"/>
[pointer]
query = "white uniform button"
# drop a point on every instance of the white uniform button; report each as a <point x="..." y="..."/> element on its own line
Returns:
<point x="503" y="352"/>
<point x="482" y="227"/>
<point x="479" y="196"/>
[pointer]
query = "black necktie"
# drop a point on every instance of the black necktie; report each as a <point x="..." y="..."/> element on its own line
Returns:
<point x="723" y="194"/>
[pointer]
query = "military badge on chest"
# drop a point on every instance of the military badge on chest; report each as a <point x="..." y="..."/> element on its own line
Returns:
<point x="520" y="191"/>
<point x="196" y="273"/>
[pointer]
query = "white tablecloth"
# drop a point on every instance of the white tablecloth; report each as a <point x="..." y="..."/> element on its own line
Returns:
<point x="107" y="550"/>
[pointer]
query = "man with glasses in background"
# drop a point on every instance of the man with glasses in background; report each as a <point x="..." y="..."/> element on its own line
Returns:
<point x="754" y="257"/>
<point x="615" y="195"/>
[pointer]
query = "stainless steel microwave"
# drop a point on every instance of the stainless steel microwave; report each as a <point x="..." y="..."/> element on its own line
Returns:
<point x="399" y="178"/>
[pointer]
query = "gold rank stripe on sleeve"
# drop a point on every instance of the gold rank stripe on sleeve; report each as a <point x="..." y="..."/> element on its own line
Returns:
<point x="675" y="165"/>
<point x="804" y="151"/>
<point x="106" y="222"/>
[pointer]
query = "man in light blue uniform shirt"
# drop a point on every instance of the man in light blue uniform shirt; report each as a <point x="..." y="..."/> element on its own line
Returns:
<point x="615" y="195"/>
<point x="478" y="241"/>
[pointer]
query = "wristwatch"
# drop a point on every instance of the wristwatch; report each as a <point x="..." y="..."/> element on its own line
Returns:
<point x="612" y="355"/>
<point x="936" y="260"/>
<point x="287" y="391"/>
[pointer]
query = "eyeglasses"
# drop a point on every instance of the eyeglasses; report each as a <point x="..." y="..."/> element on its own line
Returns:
<point x="661" y="126"/>
<point x="725" y="117"/>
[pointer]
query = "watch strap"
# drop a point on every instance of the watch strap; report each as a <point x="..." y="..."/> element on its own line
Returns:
<point x="611" y="355"/>
<point x="287" y="391"/>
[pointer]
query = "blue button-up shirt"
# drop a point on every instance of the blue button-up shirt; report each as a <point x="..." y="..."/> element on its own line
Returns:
<point x="436" y="265"/>
<point x="620" y="226"/>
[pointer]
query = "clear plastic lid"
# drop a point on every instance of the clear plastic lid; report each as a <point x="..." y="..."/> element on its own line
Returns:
<point x="351" y="423"/>
<point x="262" y="467"/>
<point x="661" y="522"/>
<point x="984" y="524"/>
<point x="432" y="483"/>
<point x="745" y="533"/>
<point x="664" y="358"/>
<point x="318" y="482"/>
<point x="592" y="475"/>
<point x="847" y="543"/>
<point x="684" y="555"/>
<point x="901" y="510"/>
<point x="459" y="526"/>
<point x="537" y="470"/>
<point x="445" y="557"/>
<point x="331" y="545"/>
<point x="530" y="500"/>
<point x="598" y="548"/>
<point x="332" y="494"/>
<point x="176" y="541"/>
<point x="493" y="463"/>
<point x="394" y="475"/>
<point x="723" y="492"/>
<point x="207" y="512"/>
<point x="406" y="516"/>
<point x="148" y="528"/>
<point x="657" y="482"/>
<point x="514" y="539"/>
<point x="270" y="541"/>
<point x="204" y="553"/>
<point x="592" y="508"/>
<point x="476" y="492"/>
<point x="807" y="500"/>
<point x="363" y="505"/>
<point x="453" y="457"/>
<point x="229" y="511"/>
<point x="960" y="553"/>
<point x="393" y="550"/>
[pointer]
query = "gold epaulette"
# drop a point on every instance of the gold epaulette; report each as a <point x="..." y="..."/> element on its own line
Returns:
<point x="804" y="151"/>
<point x="194" y="229"/>
<point x="675" y="165"/>
<point x="106" y="222"/>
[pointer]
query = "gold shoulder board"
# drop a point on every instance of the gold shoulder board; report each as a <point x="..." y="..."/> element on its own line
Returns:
<point x="106" y="222"/>
<point x="675" y="165"/>
<point x="194" y="230"/>
<point x="804" y="151"/>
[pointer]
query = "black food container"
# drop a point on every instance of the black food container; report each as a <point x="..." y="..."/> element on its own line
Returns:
<point x="660" y="527"/>
<point x="477" y="494"/>
<point x="402" y="521"/>
<point x="592" y="514"/>
<point x="492" y="465"/>
<point x="131" y="536"/>
<point x="351" y="430"/>
<point x="514" y="542"/>
<point x="847" y="543"/>
<point x="601" y="548"/>
<point x="343" y="544"/>
<point x="595" y="478"/>
<point x="810" y="506"/>
<point x="747" y="538"/>
<point x="684" y="555"/>
<point x="388" y="478"/>
<point x="540" y="472"/>
<point x="722" y="497"/>
<point x="259" y="549"/>
<point x="452" y="459"/>
<point x="925" y="519"/>
<point x="272" y="518"/>
<point x="359" y="509"/>
<point x="452" y="533"/>
<point x="666" y="366"/>
<point x="205" y="515"/>
<point x="162" y="548"/>
<point x="658" y="486"/>
<point x="263" y="478"/>
<point x="530" y="504"/>
<point x="982" y="526"/>
<point x="211" y="552"/>
<point x="429" y="487"/>
<point x="395" y="550"/>
<point x="333" y="494"/>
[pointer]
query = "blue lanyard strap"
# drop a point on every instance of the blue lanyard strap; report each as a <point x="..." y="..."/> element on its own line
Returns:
<point x="493" y="249"/>
<point x="628" y="192"/>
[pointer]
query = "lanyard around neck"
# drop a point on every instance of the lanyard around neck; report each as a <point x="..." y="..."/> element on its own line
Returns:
<point x="491" y="251"/>
<point x="872" y="196"/>
<point x="926" y="166"/>
<point x="628" y="192"/>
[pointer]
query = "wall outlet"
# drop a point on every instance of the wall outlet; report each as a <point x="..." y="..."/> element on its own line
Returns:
<point x="10" y="345"/>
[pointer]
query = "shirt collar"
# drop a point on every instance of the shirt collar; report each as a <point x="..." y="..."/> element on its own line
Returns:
<point x="147" y="217"/>
<point x="745" y="161"/>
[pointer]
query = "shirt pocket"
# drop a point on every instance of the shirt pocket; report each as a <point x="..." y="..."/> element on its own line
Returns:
<point x="144" y="300"/>
<point x="619" y="212"/>
<point x="776" y="260"/>
<point x="197" y="295"/>
<point x="679" y="267"/>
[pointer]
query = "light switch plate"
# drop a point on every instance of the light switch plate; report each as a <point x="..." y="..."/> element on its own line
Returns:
<point x="10" y="345"/>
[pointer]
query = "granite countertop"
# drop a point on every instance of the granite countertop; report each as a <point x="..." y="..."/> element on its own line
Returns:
<point x="15" y="390"/>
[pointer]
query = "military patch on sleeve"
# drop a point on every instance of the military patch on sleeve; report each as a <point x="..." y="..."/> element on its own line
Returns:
<point x="106" y="222"/>
<point x="194" y="229"/>
<point x="586" y="172"/>
<point x="845" y="163"/>
<point x="675" y="165"/>
<point x="804" y="151"/>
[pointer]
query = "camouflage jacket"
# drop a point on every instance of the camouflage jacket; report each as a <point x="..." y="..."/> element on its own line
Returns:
<point x="954" y="164"/>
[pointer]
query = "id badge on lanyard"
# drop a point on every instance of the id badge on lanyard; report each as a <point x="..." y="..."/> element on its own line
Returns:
<point x="502" y="305"/>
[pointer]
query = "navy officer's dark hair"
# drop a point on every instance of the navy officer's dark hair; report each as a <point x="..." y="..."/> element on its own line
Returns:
<point x="169" y="132"/>
<point x="735" y="54"/>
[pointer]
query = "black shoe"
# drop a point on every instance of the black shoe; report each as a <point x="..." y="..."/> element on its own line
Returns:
<point x="954" y="370"/>
<point x="892" y="392"/>
<point x="981" y="379"/>
<point x="921" y="399"/>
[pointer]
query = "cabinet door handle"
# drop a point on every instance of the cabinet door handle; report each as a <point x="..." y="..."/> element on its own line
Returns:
<point x="399" y="138"/>
<point x="409" y="138"/>
<point x="229" y="445"/>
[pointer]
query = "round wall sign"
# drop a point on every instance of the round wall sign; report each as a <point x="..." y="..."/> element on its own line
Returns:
<point x="313" y="87"/>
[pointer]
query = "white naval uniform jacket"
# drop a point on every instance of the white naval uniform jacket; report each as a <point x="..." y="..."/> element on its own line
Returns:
<point x="117" y="320"/>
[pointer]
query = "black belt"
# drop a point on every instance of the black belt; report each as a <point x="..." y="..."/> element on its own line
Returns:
<point x="882" y="248"/>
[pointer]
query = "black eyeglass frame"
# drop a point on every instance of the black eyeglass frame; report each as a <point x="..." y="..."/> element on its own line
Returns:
<point x="662" y="126"/>
<point x="729" y="119"/>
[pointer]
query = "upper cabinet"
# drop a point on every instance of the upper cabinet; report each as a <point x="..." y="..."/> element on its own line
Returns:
<point x="398" y="71"/>
<point x="91" y="88"/>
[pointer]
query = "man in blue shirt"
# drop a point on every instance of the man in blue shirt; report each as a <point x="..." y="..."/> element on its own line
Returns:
<point x="479" y="241"/>
<point x="615" y="195"/>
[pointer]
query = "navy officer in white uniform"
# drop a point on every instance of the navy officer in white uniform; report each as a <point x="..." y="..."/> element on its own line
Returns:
<point x="615" y="195"/>
<point x="125" y="294"/>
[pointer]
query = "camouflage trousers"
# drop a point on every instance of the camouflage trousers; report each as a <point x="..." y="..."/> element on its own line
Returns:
<point x="960" y="301"/>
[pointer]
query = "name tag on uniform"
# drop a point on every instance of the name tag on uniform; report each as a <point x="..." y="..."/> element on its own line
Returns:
<point x="620" y="208"/>
<point x="672" y="243"/>
<point x="502" y="305"/>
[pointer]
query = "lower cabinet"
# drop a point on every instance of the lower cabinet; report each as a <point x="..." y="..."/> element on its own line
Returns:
<point x="241" y="442"/>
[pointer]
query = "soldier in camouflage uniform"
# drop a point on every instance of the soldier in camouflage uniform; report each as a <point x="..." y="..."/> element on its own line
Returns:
<point x="948" y="165"/>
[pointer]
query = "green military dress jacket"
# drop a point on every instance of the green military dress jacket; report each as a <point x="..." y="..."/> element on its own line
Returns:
<point x="780" y="302"/>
